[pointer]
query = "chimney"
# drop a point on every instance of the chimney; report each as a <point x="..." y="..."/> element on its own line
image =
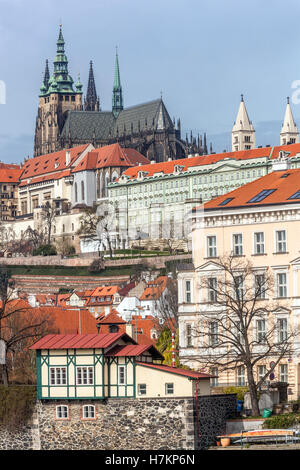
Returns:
<point x="68" y="157"/>
<point x="129" y="329"/>
<point x="152" y="162"/>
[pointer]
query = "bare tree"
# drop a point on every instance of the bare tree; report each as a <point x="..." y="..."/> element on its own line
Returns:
<point x="239" y="326"/>
<point x="48" y="215"/>
<point x="18" y="322"/>
<point x="166" y="304"/>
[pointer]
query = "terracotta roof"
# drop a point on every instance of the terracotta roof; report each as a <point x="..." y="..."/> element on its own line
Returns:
<point x="176" y="370"/>
<point x="10" y="173"/>
<point x="155" y="288"/>
<point x="105" y="290"/>
<point x="71" y="320"/>
<point x="51" y="163"/>
<point x="277" y="187"/>
<point x="134" y="350"/>
<point x="111" y="318"/>
<point x="53" y="176"/>
<point x="110" y="156"/>
<point x="186" y="163"/>
<point x="84" y="341"/>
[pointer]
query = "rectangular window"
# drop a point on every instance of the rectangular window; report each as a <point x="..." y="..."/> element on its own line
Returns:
<point x="237" y="244"/>
<point x="213" y="333"/>
<point x="142" y="389"/>
<point x="58" y="375"/>
<point x="240" y="376"/>
<point x="212" y="246"/>
<point x="212" y="289"/>
<point x="280" y="241"/>
<point x="239" y="287"/>
<point x="261" y="372"/>
<point x="260" y="286"/>
<point x="88" y="412"/>
<point x="283" y="373"/>
<point x="85" y="375"/>
<point x="62" y="412"/>
<point x="282" y="329"/>
<point x="261" y="331"/>
<point x="281" y="285"/>
<point x="259" y="243"/>
<point x="169" y="388"/>
<point x="121" y="375"/>
<point x="214" y="381"/>
<point x="189" y="337"/>
<point x="188" y="292"/>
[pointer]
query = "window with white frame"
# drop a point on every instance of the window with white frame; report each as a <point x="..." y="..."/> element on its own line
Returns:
<point x="85" y="375"/>
<point x="189" y="336"/>
<point x="260" y="286"/>
<point x="121" y="375"/>
<point x="261" y="372"/>
<point x="237" y="244"/>
<point x="62" y="412"/>
<point x="281" y="285"/>
<point x="58" y="375"/>
<point x="238" y="287"/>
<point x="169" y="388"/>
<point x="212" y="289"/>
<point x="239" y="332"/>
<point x="261" y="331"/>
<point x="259" y="243"/>
<point x="280" y="241"/>
<point x="188" y="291"/>
<point x="213" y="333"/>
<point x="211" y="246"/>
<point x="283" y="373"/>
<point x="214" y="380"/>
<point x="240" y="376"/>
<point x="88" y="412"/>
<point x="142" y="389"/>
<point x="282" y="329"/>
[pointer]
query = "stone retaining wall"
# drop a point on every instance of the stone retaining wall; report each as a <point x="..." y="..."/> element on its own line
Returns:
<point x="125" y="424"/>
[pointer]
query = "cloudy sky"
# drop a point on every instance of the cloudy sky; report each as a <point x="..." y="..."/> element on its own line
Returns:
<point x="200" y="54"/>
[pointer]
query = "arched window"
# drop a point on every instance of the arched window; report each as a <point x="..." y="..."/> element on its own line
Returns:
<point x="82" y="190"/>
<point x="76" y="193"/>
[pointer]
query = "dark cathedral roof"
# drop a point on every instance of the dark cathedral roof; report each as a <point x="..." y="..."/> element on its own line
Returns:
<point x="100" y="125"/>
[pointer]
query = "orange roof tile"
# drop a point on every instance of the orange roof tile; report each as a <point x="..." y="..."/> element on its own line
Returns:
<point x="284" y="184"/>
<point x="155" y="288"/>
<point x="110" y="156"/>
<point x="10" y="173"/>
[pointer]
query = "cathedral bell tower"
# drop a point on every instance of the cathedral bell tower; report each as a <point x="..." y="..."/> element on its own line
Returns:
<point x="117" y="99"/>
<point x="57" y="97"/>
<point x="243" y="133"/>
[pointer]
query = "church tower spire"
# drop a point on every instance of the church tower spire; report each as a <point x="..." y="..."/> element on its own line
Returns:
<point x="243" y="133"/>
<point x="117" y="99"/>
<point x="46" y="75"/>
<point x="289" y="132"/>
<point x="91" y="102"/>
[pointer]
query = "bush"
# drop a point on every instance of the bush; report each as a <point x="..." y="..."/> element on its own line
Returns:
<point x="240" y="391"/>
<point x="97" y="265"/>
<point x="284" y="421"/>
<point x="45" y="250"/>
<point x="16" y="405"/>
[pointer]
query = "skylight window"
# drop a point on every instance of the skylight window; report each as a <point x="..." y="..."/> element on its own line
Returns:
<point x="226" y="201"/>
<point x="296" y="195"/>
<point x="262" y="195"/>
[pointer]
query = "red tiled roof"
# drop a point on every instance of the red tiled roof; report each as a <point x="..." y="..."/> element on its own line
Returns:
<point x="51" y="163"/>
<point x="185" y="163"/>
<point x="10" y="173"/>
<point x="285" y="183"/>
<point x="155" y="288"/>
<point x="110" y="156"/>
<point x="85" y="341"/>
<point x="111" y="318"/>
<point x="176" y="370"/>
<point x="134" y="350"/>
<point x="71" y="320"/>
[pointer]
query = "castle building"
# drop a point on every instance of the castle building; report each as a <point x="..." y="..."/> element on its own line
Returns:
<point x="243" y="133"/>
<point x="289" y="132"/>
<point x="64" y="121"/>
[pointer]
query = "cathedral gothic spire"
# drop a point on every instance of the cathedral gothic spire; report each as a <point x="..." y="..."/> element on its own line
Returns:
<point x="289" y="131"/>
<point x="91" y="102"/>
<point x="117" y="99"/>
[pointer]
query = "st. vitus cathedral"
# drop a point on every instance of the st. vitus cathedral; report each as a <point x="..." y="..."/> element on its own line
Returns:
<point x="64" y="121"/>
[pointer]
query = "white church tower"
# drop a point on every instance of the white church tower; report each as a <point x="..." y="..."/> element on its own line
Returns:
<point x="289" y="131"/>
<point x="243" y="133"/>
